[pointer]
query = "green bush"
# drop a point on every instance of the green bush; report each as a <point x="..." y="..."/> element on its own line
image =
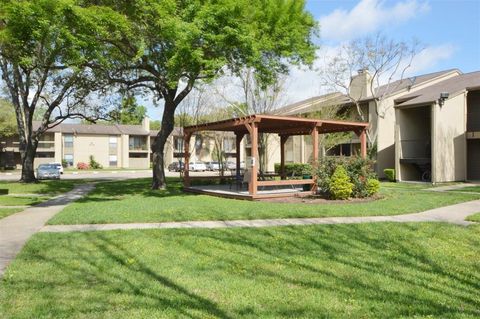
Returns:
<point x="296" y="170"/>
<point x="93" y="164"/>
<point x="372" y="186"/>
<point x="359" y="170"/>
<point x="340" y="185"/>
<point x="390" y="173"/>
<point x="64" y="163"/>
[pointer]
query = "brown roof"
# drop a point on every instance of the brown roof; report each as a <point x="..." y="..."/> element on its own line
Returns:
<point x="177" y="131"/>
<point x="287" y="125"/>
<point x="431" y="93"/>
<point x="312" y="104"/>
<point x="96" y="129"/>
<point x="399" y="85"/>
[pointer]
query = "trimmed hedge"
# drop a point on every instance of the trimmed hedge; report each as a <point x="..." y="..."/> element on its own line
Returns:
<point x="296" y="170"/>
<point x="390" y="174"/>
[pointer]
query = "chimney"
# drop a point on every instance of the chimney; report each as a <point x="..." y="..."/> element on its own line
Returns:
<point x="146" y="123"/>
<point x="360" y="85"/>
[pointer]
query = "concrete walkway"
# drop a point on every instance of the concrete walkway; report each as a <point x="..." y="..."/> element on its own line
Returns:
<point x="16" y="229"/>
<point x="455" y="214"/>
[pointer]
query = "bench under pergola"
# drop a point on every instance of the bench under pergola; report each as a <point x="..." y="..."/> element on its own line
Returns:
<point x="284" y="126"/>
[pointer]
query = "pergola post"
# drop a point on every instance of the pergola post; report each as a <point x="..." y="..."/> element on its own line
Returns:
<point x="252" y="186"/>
<point x="315" y="144"/>
<point x="363" y="143"/>
<point x="186" y="155"/>
<point x="283" y="140"/>
<point x="238" y="141"/>
<point x="314" y="156"/>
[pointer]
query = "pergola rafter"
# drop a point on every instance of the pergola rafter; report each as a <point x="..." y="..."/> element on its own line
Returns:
<point x="284" y="126"/>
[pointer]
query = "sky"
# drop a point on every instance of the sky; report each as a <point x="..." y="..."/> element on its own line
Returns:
<point x="448" y="30"/>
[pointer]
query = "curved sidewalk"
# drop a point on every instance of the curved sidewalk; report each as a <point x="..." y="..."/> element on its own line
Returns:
<point x="16" y="229"/>
<point x="455" y="214"/>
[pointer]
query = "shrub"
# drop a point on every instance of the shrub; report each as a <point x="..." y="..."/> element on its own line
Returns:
<point x="372" y="186"/>
<point x="82" y="165"/>
<point x="64" y="163"/>
<point x="295" y="169"/>
<point x="340" y="186"/>
<point x="359" y="171"/>
<point x="390" y="174"/>
<point x="94" y="164"/>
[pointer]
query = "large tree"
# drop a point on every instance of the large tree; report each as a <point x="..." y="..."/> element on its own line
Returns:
<point x="177" y="43"/>
<point x="385" y="59"/>
<point x="47" y="50"/>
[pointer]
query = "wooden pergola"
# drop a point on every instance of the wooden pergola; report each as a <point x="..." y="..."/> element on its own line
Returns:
<point x="284" y="126"/>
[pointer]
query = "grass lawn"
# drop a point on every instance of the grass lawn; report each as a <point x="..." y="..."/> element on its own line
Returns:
<point x="474" y="218"/>
<point x="382" y="270"/>
<point x="474" y="189"/>
<point x="132" y="201"/>
<point x="49" y="187"/>
<point x="21" y="201"/>
<point x="4" y="212"/>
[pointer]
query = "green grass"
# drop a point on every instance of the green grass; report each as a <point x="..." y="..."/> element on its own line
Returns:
<point x="132" y="201"/>
<point x="21" y="201"/>
<point x="385" y="270"/>
<point x="50" y="187"/>
<point x="474" y="218"/>
<point x="4" y="212"/>
<point x="474" y="189"/>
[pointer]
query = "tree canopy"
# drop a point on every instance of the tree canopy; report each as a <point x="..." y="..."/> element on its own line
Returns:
<point x="129" y="112"/>
<point x="50" y="51"/>
<point x="173" y="44"/>
<point x="8" y="126"/>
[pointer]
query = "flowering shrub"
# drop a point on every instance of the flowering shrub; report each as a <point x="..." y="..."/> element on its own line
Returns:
<point x="81" y="165"/>
<point x="359" y="171"/>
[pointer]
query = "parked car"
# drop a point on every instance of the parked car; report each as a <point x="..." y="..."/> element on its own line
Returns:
<point x="175" y="167"/>
<point x="213" y="166"/>
<point x="197" y="167"/>
<point x="230" y="165"/>
<point x="48" y="171"/>
<point x="59" y="166"/>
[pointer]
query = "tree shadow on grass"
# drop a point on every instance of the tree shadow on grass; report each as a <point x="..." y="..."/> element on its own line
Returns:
<point x="112" y="271"/>
<point x="425" y="281"/>
<point x="115" y="190"/>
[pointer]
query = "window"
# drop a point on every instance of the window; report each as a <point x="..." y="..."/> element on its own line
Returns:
<point x="228" y="144"/>
<point x="137" y="143"/>
<point x="178" y="144"/>
<point x="112" y="142"/>
<point x="68" y="141"/>
<point x="69" y="159"/>
<point x="112" y="160"/>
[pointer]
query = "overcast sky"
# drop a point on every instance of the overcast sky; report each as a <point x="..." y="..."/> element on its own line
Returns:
<point x="449" y="30"/>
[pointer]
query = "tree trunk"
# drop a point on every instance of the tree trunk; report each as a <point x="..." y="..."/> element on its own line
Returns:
<point x="28" y="157"/>
<point x="158" y="146"/>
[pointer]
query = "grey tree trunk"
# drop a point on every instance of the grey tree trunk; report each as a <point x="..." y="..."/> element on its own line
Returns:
<point x="28" y="157"/>
<point x="158" y="147"/>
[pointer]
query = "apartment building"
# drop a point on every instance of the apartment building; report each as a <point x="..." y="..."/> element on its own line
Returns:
<point x="116" y="146"/>
<point x="386" y="123"/>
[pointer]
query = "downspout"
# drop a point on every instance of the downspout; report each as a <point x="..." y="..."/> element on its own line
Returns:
<point x="433" y="142"/>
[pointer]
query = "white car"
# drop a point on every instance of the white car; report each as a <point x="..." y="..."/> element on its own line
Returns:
<point x="197" y="167"/>
<point x="59" y="166"/>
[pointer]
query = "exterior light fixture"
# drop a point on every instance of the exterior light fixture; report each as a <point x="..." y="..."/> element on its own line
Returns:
<point x="443" y="97"/>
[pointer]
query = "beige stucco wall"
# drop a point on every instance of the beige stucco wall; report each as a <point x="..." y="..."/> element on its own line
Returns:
<point x="449" y="140"/>
<point x="85" y="145"/>
<point x="137" y="162"/>
<point x="58" y="147"/>
<point x="123" y="151"/>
